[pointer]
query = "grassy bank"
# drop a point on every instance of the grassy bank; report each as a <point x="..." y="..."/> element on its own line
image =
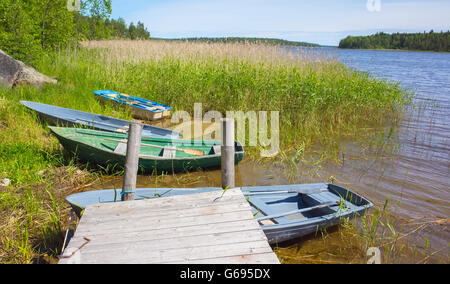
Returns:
<point x="319" y="99"/>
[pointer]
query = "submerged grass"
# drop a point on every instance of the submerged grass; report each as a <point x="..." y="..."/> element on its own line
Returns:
<point x="318" y="98"/>
<point x="357" y="241"/>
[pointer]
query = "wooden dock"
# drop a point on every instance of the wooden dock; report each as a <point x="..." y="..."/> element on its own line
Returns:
<point x="213" y="227"/>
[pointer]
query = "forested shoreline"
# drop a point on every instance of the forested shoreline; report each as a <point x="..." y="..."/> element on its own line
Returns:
<point x="427" y="41"/>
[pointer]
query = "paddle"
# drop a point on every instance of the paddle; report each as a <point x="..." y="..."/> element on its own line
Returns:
<point x="187" y="151"/>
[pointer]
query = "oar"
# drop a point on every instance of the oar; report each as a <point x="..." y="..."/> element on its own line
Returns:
<point x="187" y="151"/>
<point x="298" y="211"/>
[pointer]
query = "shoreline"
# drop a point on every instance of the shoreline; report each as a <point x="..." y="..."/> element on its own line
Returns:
<point x="386" y="49"/>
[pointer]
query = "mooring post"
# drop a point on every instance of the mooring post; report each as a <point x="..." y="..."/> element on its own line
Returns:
<point x="227" y="150"/>
<point x="132" y="161"/>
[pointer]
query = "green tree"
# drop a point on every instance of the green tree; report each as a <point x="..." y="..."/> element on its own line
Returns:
<point x="97" y="12"/>
<point x="55" y="23"/>
<point x="142" y="31"/>
<point x="29" y="27"/>
<point x="18" y="31"/>
<point x="118" y="28"/>
<point x="416" y="41"/>
<point x="132" y="31"/>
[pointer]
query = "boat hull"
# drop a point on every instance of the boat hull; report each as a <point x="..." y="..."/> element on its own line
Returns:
<point x="58" y="116"/>
<point x="147" y="163"/>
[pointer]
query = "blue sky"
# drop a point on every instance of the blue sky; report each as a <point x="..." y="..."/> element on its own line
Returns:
<point x="318" y="21"/>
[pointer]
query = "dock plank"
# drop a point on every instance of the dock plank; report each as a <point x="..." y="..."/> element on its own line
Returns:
<point x="212" y="227"/>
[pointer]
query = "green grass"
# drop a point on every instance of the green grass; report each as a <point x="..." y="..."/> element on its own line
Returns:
<point x="319" y="99"/>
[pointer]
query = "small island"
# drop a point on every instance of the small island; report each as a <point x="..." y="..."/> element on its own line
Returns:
<point x="427" y="41"/>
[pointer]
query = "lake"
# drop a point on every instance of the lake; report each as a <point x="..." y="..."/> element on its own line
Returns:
<point x="417" y="174"/>
<point x="423" y="159"/>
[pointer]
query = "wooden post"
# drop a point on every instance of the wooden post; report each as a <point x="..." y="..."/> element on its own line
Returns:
<point x="227" y="151"/>
<point x="132" y="161"/>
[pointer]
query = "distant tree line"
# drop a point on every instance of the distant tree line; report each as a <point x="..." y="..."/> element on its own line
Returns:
<point x="91" y="28"/>
<point x="430" y="41"/>
<point x="270" y="41"/>
<point x="30" y="28"/>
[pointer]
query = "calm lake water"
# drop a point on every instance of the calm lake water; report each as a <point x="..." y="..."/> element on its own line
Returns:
<point x="412" y="168"/>
<point x="417" y="174"/>
<point x="420" y="171"/>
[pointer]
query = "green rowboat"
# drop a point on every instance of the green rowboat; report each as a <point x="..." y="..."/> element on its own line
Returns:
<point x="161" y="154"/>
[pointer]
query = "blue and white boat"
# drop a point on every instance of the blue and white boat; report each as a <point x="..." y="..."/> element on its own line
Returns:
<point x="284" y="212"/>
<point x="140" y="108"/>
<point x="59" y="116"/>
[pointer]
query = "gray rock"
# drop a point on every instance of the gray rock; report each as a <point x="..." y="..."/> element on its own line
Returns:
<point x="14" y="72"/>
<point x="9" y="68"/>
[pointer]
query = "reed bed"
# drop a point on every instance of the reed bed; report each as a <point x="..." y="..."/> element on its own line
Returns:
<point x="157" y="50"/>
<point x="317" y="96"/>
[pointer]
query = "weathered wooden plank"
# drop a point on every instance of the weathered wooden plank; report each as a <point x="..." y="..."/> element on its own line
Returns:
<point x="121" y="211"/>
<point x="157" y="206"/>
<point x="260" y="258"/>
<point x="168" y="233"/>
<point x="213" y="196"/>
<point x="153" y="246"/>
<point x="168" y="213"/>
<point x="140" y="224"/>
<point x="183" y="254"/>
<point x="207" y="229"/>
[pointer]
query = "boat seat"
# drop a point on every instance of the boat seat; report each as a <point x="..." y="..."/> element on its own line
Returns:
<point x="325" y="197"/>
<point x="216" y="150"/>
<point x="169" y="152"/>
<point x="262" y="207"/>
<point x="121" y="147"/>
